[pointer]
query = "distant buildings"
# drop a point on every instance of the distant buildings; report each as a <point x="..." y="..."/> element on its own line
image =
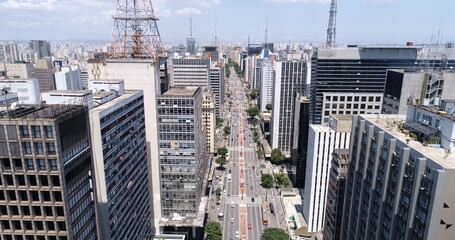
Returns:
<point x="44" y="72"/>
<point x="217" y="84"/>
<point x="182" y="152"/>
<point x="398" y="187"/>
<point x="68" y="78"/>
<point x="9" y="52"/>
<point x="191" y="45"/>
<point x="18" y="70"/>
<point x="42" y="47"/>
<point x="46" y="173"/>
<point x="190" y="72"/>
<point x="212" y="53"/>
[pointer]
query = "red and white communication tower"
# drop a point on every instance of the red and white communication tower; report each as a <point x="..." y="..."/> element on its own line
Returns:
<point x="136" y="33"/>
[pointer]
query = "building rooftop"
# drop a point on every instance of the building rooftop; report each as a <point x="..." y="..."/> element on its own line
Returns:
<point x="111" y="81"/>
<point x="342" y="117"/>
<point x="115" y="101"/>
<point x="65" y="92"/>
<point x="53" y="111"/>
<point x="188" y="91"/>
<point x="436" y="153"/>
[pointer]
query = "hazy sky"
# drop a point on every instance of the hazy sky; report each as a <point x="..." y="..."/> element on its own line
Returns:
<point x="358" y="21"/>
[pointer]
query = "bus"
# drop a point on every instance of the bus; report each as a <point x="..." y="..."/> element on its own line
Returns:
<point x="229" y="177"/>
<point x="265" y="220"/>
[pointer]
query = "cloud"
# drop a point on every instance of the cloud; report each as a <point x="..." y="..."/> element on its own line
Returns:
<point x="187" y="11"/>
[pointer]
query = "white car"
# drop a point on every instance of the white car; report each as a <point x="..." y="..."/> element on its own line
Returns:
<point x="232" y="219"/>
<point x="236" y="234"/>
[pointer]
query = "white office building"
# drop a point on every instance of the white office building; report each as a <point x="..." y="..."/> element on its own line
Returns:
<point x="266" y="86"/>
<point x="28" y="90"/>
<point x="69" y="78"/>
<point x="322" y="141"/>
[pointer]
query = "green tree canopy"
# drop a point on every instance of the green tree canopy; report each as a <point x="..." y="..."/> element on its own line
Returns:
<point x="227" y="129"/>
<point x="219" y="122"/>
<point x="254" y="122"/>
<point x="253" y="111"/>
<point x="274" y="234"/>
<point x="213" y="231"/>
<point x="267" y="180"/>
<point x="221" y="160"/>
<point x="222" y="152"/>
<point x="277" y="157"/>
<point x="282" y="180"/>
<point x="268" y="106"/>
<point x="254" y="93"/>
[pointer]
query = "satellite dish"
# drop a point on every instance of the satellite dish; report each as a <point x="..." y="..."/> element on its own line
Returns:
<point x="13" y="105"/>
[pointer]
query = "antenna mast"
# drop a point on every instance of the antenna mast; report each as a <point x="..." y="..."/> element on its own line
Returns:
<point x="135" y="32"/>
<point x="266" y="38"/>
<point x="331" y="30"/>
<point x="216" y="37"/>
<point x="191" y="28"/>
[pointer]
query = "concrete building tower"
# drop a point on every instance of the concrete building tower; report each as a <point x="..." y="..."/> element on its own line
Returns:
<point x="398" y="187"/>
<point x="46" y="173"/>
<point x="290" y="80"/>
<point x="42" y="47"/>
<point x="322" y="142"/>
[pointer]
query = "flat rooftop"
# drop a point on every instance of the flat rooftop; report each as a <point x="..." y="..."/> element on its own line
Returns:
<point x="436" y="154"/>
<point x="52" y="111"/>
<point x="110" y="81"/>
<point x="188" y="91"/>
<point x="79" y="92"/>
<point x="342" y="117"/>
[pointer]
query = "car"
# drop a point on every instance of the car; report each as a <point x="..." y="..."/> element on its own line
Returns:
<point x="252" y="199"/>
<point x="237" y="234"/>
<point x="250" y="174"/>
<point x="249" y="226"/>
<point x="224" y="191"/>
<point x="232" y="219"/>
<point x="251" y="187"/>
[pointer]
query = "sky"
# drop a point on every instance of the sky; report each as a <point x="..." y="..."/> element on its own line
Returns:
<point x="358" y="21"/>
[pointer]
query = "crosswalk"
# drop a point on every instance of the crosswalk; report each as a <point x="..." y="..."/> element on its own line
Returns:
<point x="249" y="200"/>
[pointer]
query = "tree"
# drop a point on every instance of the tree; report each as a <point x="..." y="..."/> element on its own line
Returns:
<point x="222" y="152"/>
<point x="221" y="161"/>
<point x="213" y="231"/>
<point x="282" y="180"/>
<point x="219" y="122"/>
<point x="227" y="130"/>
<point x="260" y="154"/>
<point x="253" y="111"/>
<point x="277" y="156"/>
<point x="267" y="180"/>
<point x="254" y="122"/>
<point x="268" y="106"/>
<point x="254" y="93"/>
<point x="274" y="234"/>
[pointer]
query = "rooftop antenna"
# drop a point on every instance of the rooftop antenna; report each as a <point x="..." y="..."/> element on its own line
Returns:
<point x="331" y="30"/>
<point x="266" y="38"/>
<point x="216" y="37"/>
<point x="191" y="28"/>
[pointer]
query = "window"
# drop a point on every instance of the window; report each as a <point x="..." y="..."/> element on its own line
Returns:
<point x="27" y="148"/>
<point x="50" y="148"/>
<point x="24" y="131"/>
<point x="41" y="164"/>
<point x="29" y="163"/>
<point x="36" y="131"/>
<point x="53" y="164"/>
<point x="39" y="148"/>
<point x="49" y="131"/>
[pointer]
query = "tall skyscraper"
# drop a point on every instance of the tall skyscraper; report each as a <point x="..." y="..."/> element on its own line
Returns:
<point x="209" y="120"/>
<point x="182" y="152"/>
<point x="120" y="160"/>
<point x="46" y="173"/>
<point x="139" y="74"/>
<point x="301" y="128"/>
<point x="266" y="85"/>
<point x="217" y="85"/>
<point x="192" y="71"/>
<point x="290" y="80"/>
<point x="398" y="187"/>
<point x="44" y="72"/>
<point x="9" y="52"/>
<point x="42" y="47"/>
<point x="335" y="194"/>
<point x="322" y="141"/>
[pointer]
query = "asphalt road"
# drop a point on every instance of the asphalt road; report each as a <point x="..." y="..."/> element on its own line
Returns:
<point x="241" y="204"/>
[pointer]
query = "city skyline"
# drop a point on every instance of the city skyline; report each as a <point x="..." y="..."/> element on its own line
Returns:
<point x="364" y="22"/>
